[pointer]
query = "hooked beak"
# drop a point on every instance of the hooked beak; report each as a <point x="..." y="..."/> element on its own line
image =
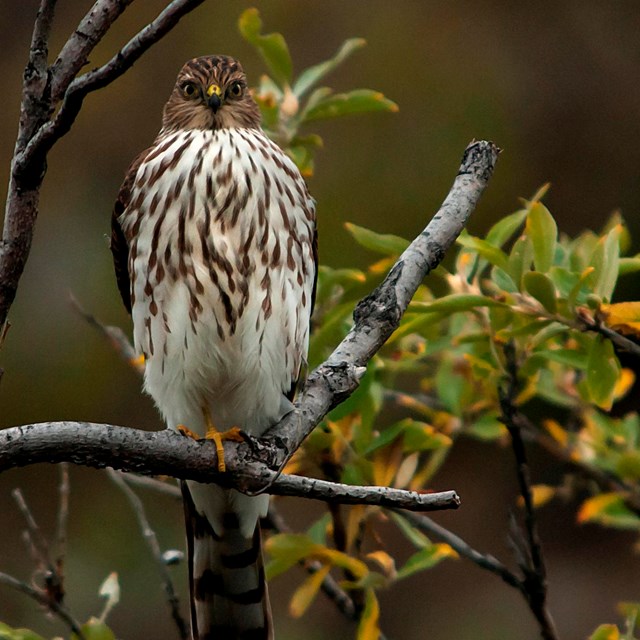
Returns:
<point x="214" y="101"/>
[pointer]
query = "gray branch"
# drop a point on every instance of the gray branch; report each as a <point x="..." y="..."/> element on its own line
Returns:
<point x="46" y="89"/>
<point x="168" y="453"/>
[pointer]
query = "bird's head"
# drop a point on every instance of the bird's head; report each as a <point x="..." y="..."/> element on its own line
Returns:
<point x="210" y="93"/>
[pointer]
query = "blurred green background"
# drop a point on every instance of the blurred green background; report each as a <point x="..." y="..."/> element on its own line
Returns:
<point x="555" y="84"/>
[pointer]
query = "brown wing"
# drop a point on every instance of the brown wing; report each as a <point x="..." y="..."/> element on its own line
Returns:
<point x="118" y="243"/>
<point x="302" y="376"/>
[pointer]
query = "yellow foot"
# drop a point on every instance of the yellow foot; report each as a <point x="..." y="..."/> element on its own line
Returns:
<point x="234" y="434"/>
<point x="185" y="431"/>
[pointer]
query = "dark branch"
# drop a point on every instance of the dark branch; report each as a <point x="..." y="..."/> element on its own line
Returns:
<point x="485" y="561"/>
<point x="104" y="75"/>
<point x="531" y="557"/>
<point x="43" y="89"/>
<point x="46" y="602"/>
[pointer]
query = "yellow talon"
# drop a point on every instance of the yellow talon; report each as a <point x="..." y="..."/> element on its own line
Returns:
<point x="138" y="363"/>
<point x="185" y="431"/>
<point x="218" y="437"/>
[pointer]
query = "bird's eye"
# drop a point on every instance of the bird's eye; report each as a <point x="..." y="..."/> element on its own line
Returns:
<point x="189" y="90"/>
<point x="235" y="90"/>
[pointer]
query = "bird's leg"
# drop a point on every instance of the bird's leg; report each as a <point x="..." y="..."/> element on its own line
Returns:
<point x="235" y="434"/>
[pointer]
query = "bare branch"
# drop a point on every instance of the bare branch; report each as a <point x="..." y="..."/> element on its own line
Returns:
<point x="152" y="541"/>
<point x="168" y="453"/>
<point x="63" y="516"/>
<point x="102" y="76"/>
<point x="75" y="53"/>
<point x="115" y="335"/>
<point x="43" y="89"/>
<point x="532" y="563"/>
<point x="42" y="599"/>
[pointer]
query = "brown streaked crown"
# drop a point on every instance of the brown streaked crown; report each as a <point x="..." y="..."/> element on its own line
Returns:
<point x="191" y="107"/>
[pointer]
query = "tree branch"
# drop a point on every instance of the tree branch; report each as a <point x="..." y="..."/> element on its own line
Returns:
<point x="168" y="453"/>
<point x="42" y="91"/>
<point x="152" y="541"/>
<point x="532" y="560"/>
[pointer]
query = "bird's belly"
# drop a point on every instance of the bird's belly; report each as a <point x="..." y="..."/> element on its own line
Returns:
<point x="237" y="363"/>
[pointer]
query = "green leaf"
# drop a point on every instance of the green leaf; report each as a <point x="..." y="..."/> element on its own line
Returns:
<point x="609" y="510"/>
<point x="426" y="558"/>
<point x="387" y="436"/>
<point x="95" y="630"/>
<point x="606" y="632"/>
<point x="384" y="243"/>
<point x="485" y="250"/>
<point x="520" y="259"/>
<point x="541" y="288"/>
<point x="502" y="230"/>
<point x="606" y="259"/>
<point x="603" y="370"/>
<point x="568" y="357"/>
<point x="486" y="427"/>
<point x="342" y="104"/>
<point x="8" y="633"/>
<point x="454" y="303"/>
<point x="272" y="47"/>
<point x="313" y="75"/>
<point x="542" y="229"/>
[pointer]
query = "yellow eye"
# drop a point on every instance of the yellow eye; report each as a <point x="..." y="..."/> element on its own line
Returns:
<point x="235" y="90"/>
<point x="189" y="90"/>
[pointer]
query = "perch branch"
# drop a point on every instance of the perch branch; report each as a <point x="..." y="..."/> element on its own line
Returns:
<point x="152" y="541"/>
<point x="168" y="453"/>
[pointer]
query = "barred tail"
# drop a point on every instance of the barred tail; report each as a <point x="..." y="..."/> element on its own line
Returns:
<point x="228" y="589"/>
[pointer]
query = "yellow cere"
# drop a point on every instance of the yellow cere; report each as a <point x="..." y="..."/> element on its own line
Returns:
<point x="214" y="88"/>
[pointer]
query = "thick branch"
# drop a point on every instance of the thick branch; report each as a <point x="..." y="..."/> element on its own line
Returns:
<point x="168" y="453"/>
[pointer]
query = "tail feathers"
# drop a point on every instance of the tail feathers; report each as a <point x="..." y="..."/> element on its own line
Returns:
<point x="229" y="598"/>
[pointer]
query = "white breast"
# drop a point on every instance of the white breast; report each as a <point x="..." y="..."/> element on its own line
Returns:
<point x="220" y="228"/>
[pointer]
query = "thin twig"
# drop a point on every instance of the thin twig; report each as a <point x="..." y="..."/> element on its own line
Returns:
<point x="533" y="566"/>
<point x="63" y="517"/>
<point x="42" y="599"/>
<point x="152" y="541"/>
<point x="483" y="560"/>
<point x="40" y="545"/>
<point x="115" y="335"/>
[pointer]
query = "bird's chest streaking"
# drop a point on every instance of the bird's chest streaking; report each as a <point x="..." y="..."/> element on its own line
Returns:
<point x="220" y="228"/>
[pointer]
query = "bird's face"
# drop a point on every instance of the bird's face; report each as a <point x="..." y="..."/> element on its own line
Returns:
<point x="210" y="93"/>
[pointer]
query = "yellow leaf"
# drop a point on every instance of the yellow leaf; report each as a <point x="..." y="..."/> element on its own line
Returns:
<point x="541" y="494"/>
<point x="385" y="561"/>
<point x="307" y="591"/>
<point x="624" y="383"/>
<point x="557" y="432"/>
<point x="407" y="470"/>
<point x="368" y="628"/>
<point x="356" y="514"/>
<point x="622" y="316"/>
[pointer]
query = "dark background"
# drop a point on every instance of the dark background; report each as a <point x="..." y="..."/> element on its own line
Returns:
<point x="555" y="84"/>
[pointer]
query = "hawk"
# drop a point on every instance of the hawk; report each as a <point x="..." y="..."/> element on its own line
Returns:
<point x="214" y="247"/>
